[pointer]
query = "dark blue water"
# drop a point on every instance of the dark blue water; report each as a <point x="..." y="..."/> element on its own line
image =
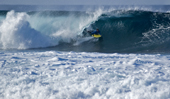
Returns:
<point x="134" y="31"/>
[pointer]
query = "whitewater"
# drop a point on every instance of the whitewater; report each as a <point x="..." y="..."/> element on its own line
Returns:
<point x="46" y="52"/>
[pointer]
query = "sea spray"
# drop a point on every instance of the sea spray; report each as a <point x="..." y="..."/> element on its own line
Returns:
<point x="21" y="30"/>
<point x="15" y="32"/>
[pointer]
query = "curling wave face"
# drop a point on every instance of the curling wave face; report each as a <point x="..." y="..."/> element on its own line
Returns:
<point x="134" y="31"/>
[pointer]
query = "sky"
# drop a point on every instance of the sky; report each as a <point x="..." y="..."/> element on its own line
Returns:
<point x="85" y="2"/>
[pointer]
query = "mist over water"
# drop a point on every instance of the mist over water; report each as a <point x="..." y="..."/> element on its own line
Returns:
<point x="42" y="29"/>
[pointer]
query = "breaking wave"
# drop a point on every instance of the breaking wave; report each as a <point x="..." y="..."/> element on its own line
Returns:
<point x="122" y="30"/>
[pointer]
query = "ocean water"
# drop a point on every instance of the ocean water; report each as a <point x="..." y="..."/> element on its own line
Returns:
<point x="47" y="52"/>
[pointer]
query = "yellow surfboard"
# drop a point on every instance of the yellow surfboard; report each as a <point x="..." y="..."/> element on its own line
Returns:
<point x="96" y="35"/>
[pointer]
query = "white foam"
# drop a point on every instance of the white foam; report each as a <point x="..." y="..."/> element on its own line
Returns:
<point x="15" y="32"/>
<point x="83" y="75"/>
<point x="81" y="40"/>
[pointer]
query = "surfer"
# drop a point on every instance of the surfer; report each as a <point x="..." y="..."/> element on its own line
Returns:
<point x="96" y="32"/>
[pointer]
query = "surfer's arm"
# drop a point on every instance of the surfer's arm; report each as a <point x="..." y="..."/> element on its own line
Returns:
<point x="94" y="32"/>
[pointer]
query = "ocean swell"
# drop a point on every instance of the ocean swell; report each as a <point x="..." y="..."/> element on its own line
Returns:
<point x="122" y="30"/>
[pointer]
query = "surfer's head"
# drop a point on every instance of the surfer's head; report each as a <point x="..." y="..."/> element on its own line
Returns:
<point x="97" y="29"/>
